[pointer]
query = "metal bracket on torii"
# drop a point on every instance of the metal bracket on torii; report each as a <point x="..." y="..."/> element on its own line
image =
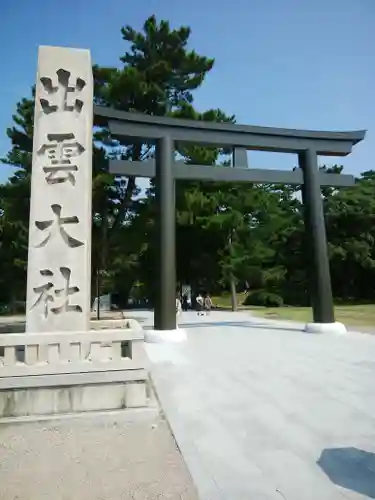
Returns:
<point x="165" y="131"/>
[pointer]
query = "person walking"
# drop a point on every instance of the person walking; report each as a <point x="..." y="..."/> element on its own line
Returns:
<point x="200" y="304"/>
<point x="178" y="310"/>
<point x="185" y="303"/>
<point x="207" y="304"/>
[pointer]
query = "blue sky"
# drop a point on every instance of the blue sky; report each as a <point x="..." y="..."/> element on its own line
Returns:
<point x="290" y="63"/>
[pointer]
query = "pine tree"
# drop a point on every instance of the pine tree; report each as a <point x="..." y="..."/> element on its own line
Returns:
<point x="157" y="75"/>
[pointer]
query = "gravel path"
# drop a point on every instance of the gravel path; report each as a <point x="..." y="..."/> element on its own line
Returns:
<point x="129" y="455"/>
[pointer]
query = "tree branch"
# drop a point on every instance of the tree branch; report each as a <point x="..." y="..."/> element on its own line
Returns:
<point x="124" y="204"/>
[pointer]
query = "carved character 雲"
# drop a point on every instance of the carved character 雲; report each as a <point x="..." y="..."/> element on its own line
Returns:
<point x="59" y="152"/>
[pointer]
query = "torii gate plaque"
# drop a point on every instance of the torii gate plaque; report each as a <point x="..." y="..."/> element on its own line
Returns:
<point x="306" y="144"/>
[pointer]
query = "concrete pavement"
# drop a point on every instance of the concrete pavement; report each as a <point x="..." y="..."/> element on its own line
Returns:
<point x="262" y="410"/>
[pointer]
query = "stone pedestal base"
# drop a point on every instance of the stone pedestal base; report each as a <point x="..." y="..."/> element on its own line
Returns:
<point x="161" y="336"/>
<point x="73" y="393"/>
<point x="335" y="328"/>
<point x="72" y="372"/>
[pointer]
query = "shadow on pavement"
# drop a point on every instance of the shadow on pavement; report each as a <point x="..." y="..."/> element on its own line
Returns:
<point x="241" y="324"/>
<point x="351" y="468"/>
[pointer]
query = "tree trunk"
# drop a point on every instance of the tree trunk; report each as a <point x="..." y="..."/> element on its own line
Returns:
<point x="232" y="279"/>
<point x="233" y="292"/>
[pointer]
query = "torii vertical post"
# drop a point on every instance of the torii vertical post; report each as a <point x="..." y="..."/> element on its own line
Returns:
<point x="165" y="312"/>
<point x="319" y="278"/>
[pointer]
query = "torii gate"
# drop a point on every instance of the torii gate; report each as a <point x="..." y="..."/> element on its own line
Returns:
<point x="164" y="131"/>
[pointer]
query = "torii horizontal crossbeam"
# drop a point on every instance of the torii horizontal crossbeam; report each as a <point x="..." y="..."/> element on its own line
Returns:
<point x="181" y="171"/>
<point x="150" y="128"/>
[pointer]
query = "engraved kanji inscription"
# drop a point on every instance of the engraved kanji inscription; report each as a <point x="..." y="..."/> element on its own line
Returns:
<point x="54" y="226"/>
<point x="55" y="300"/>
<point x="60" y="151"/>
<point x="65" y="96"/>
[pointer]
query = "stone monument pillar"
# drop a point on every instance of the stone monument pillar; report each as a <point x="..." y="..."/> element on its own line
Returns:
<point x="59" y="260"/>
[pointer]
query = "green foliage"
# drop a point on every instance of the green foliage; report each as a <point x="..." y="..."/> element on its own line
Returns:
<point x="350" y="216"/>
<point x="264" y="299"/>
<point x="14" y="208"/>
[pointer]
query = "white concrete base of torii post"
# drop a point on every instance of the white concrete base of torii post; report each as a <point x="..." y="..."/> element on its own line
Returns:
<point x="335" y="328"/>
<point x="175" y="335"/>
<point x="165" y="336"/>
<point x="165" y="345"/>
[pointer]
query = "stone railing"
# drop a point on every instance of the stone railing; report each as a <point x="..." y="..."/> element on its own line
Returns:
<point x="68" y="372"/>
<point x="36" y="354"/>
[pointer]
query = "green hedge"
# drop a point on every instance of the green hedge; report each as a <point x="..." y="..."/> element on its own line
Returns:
<point x="263" y="298"/>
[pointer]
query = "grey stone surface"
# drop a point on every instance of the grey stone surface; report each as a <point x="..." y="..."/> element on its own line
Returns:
<point x="135" y="395"/>
<point x="72" y="372"/>
<point x="59" y="257"/>
<point x="128" y="455"/>
<point x="16" y="324"/>
<point x="261" y="409"/>
<point x="71" y="399"/>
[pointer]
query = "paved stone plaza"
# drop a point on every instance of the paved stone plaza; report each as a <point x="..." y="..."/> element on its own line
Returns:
<point x="262" y="410"/>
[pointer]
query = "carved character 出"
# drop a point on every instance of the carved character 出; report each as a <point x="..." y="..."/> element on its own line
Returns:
<point x="62" y="97"/>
